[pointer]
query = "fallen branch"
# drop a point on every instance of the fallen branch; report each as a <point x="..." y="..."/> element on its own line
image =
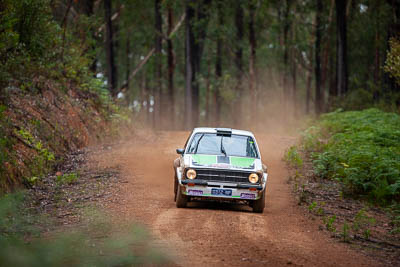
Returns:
<point x="148" y="56"/>
<point x="113" y="17"/>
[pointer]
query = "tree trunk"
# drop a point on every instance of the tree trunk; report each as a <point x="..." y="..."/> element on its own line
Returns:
<point x="393" y="32"/>
<point x="325" y="61"/>
<point x="158" y="63"/>
<point x="189" y="72"/>
<point x="111" y="69"/>
<point x="128" y="59"/>
<point x="237" y="107"/>
<point x="294" y="82"/>
<point x="171" y="70"/>
<point x="293" y="56"/>
<point x="252" y="60"/>
<point x="218" y="68"/>
<point x="286" y="27"/>
<point x="208" y="89"/>
<point x="310" y="68"/>
<point x="318" y="93"/>
<point x="341" y="50"/>
<point x="194" y="51"/>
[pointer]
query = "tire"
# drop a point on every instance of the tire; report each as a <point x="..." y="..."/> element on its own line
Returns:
<point x="181" y="199"/>
<point x="258" y="205"/>
<point x="175" y="188"/>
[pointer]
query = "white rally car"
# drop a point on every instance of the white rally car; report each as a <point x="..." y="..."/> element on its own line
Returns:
<point x="220" y="164"/>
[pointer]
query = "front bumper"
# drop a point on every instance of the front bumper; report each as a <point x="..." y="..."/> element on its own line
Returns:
<point x="206" y="189"/>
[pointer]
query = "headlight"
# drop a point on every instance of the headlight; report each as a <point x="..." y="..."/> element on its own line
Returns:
<point x="253" y="178"/>
<point x="191" y="174"/>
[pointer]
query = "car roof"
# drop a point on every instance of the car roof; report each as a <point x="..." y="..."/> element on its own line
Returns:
<point x="214" y="130"/>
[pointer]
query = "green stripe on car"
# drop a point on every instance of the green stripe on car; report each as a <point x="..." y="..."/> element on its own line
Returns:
<point x="242" y="162"/>
<point x="204" y="159"/>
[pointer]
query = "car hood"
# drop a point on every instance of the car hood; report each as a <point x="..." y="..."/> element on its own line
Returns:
<point x="222" y="162"/>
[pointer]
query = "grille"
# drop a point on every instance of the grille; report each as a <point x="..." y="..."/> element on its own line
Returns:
<point x="223" y="176"/>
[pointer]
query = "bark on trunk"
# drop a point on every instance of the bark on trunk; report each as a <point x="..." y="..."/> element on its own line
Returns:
<point x="318" y="93"/>
<point x="194" y="52"/>
<point x="252" y="60"/>
<point x="158" y="63"/>
<point x="218" y="68"/>
<point x="286" y="27"/>
<point x="128" y="61"/>
<point x="310" y="69"/>
<point x="171" y="69"/>
<point x="341" y="62"/>
<point x="189" y="72"/>
<point x="111" y="69"/>
<point x="325" y="61"/>
<point x="237" y="107"/>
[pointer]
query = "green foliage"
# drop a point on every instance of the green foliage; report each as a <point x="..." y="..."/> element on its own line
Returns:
<point x="362" y="222"/>
<point x="394" y="211"/>
<point x="67" y="178"/>
<point x="329" y="223"/>
<point x="361" y="150"/>
<point x="312" y="206"/>
<point x="42" y="161"/>
<point x="293" y="157"/>
<point x="346" y="232"/>
<point x="14" y="222"/>
<point x="392" y="64"/>
<point x="5" y="146"/>
<point x="85" y="247"/>
<point x="28" y="34"/>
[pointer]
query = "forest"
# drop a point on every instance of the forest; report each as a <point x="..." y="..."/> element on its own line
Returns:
<point x="77" y="75"/>
<point x="177" y="64"/>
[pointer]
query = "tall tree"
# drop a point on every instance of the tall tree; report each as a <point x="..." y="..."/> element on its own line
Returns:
<point x="341" y="47"/>
<point x="111" y="69"/>
<point x="286" y="27"/>
<point x="318" y="93"/>
<point x="238" y="59"/>
<point x="171" y="68"/>
<point x="218" y="65"/>
<point x="158" y="63"/>
<point x="196" y="14"/>
<point x="326" y="60"/>
<point x="252" y="59"/>
<point x="189" y="64"/>
<point x="127" y="58"/>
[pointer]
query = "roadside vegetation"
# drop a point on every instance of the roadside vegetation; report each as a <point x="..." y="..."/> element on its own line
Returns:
<point x="50" y="101"/>
<point x="93" y="244"/>
<point x="359" y="149"/>
<point x="346" y="170"/>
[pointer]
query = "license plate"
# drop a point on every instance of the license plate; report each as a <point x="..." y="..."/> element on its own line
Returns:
<point x="221" y="192"/>
<point x="195" y="192"/>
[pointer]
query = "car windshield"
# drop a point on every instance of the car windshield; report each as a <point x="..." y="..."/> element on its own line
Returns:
<point x="213" y="144"/>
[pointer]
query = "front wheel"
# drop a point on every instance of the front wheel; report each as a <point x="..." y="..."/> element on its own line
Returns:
<point x="175" y="187"/>
<point x="258" y="205"/>
<point x="181" y="199"/>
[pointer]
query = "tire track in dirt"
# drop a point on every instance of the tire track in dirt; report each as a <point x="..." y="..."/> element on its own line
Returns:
<point x="220" y="233"/>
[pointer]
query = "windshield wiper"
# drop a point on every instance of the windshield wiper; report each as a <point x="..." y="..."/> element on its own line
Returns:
<point x="198" y="142"/>
<point x="222" y="147"/>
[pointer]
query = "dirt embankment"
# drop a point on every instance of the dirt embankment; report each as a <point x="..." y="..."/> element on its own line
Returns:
<point x="38" y="129"/>
<point x="211" y="234"/>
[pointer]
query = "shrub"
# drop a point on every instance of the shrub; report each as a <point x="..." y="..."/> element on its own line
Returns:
<point x="293" y="157"/>
<point x="361" y="150"/>
<point x="21" y="244"/>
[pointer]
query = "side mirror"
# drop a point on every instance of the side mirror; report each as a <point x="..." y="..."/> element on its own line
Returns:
<point x="180" y="151"/>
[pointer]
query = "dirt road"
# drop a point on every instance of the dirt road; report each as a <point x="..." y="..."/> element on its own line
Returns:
<point x="210" y="234"/>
